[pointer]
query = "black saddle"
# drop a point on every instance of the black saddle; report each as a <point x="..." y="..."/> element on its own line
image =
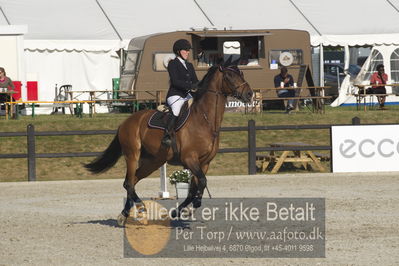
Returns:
<point x="159" y="119"/>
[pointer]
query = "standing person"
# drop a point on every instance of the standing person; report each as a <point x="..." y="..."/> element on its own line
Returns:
<point x="285" y="80"/>
<point x="378" y="78"/>
<point x="5" y="82"/>
<point x="182" y="80"/>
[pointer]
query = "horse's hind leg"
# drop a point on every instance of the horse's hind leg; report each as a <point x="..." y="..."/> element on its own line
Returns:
<point x="147" y="166"/>
<point x="130" y="182"/>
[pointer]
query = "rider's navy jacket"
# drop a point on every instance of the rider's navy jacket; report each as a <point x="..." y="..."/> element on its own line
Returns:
<point x="181" y="79"/>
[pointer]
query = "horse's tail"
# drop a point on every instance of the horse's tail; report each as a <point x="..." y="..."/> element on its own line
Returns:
<point x="107" y="159"/>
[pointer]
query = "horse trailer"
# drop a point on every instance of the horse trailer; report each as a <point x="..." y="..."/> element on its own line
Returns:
<point x="260" y="54"/>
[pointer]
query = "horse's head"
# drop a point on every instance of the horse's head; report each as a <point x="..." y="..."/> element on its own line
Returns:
<point x="234" y="84"/>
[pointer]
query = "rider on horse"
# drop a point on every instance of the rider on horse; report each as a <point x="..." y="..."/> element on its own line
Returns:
<point x="182" y="80"/>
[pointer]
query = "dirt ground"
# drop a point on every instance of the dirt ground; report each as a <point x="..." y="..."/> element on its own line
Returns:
<point x="73" y="222"/>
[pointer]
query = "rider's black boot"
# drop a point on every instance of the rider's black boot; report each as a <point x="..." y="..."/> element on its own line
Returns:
<point x="167" y="141"/>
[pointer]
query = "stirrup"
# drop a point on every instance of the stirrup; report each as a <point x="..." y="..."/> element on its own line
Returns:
<point x="166" y="141"/>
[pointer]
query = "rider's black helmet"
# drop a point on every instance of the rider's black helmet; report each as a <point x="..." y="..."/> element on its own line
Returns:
<point x="181" y="44"/>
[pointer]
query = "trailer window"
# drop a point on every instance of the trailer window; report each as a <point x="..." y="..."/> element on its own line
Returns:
<point x="211" y="50"/>
<point x="250" y="47"/>
<point x="130" y="62"/>
<point x="207" y="53"/>
<point x="286" y="57"/>
<point x="161" y="61"/>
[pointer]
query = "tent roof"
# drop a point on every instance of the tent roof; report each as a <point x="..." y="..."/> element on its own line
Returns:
<point x="356" y="39"/>
<point x="356" y="22"/>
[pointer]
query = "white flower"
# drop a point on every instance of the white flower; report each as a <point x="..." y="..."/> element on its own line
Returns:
<point x="178" y="176"/>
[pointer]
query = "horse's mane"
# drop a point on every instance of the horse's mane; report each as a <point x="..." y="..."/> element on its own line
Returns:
<point x="204" y="83"/>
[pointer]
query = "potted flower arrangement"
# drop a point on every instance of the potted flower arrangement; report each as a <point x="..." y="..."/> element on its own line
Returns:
<point x="181" y="180"/>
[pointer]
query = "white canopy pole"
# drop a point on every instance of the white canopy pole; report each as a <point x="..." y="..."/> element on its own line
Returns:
<point x="346" y="59"/>
<point x="164" y="188"/>
<point x="321" y="65"/>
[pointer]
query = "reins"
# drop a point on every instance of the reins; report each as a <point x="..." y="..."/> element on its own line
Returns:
<point x="214" y="126"/>
<point x="217" y="93"/>
<point x="215" y="132"/>
<point x="235" y="89"/>
<point x="224" y="78"/>
<point x="242" y="84"/>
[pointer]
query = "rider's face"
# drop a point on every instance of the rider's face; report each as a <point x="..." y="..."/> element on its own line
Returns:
<point x="184" y="54"/>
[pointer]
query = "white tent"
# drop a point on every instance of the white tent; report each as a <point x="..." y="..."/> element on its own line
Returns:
<point x="388" y="55"/>
<point x="124" y="19"/>
<point x="74" y="42"/>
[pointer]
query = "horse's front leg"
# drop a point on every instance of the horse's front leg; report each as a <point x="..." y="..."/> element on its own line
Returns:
<point x="147" y="166"/>
<point x="191" y="194"/>
<point x="202" y="182"/>
<point x="198" y="184"/>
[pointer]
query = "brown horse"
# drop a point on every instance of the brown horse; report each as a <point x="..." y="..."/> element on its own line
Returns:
<point x="197" y="141"/>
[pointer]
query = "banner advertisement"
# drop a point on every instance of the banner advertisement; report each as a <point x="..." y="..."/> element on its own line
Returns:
<point x="365" y="148"/>
<point x="227" y="228"/>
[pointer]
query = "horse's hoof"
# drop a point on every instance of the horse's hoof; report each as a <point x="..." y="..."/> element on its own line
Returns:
<point x="144" y="218"/>
<point x="141" y="209"/>
<point x="166" y="142"/>
<point x="174" y="214"/>
<point x="187" y="212"/>
<point x="121" y="220"/>
<point x="141" y="217"/>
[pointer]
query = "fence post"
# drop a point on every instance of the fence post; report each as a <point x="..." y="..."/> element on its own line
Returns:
<point x="17" y="111"/>
<point x="356" y="121"/>
<point x="31" y="152"/>
<point x="251" y="147"/>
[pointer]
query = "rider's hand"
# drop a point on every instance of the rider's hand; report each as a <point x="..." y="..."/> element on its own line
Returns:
<point x="194" y="87"/>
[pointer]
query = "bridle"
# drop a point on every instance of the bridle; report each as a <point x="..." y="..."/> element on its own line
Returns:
<point x="235" y="94"/>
